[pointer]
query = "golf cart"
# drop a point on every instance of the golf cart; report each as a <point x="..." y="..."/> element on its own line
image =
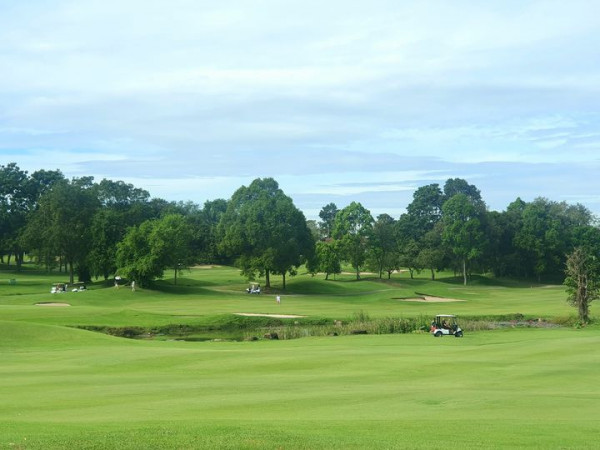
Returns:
<point x="445" y="325"/>
<point x="253" y="289"/>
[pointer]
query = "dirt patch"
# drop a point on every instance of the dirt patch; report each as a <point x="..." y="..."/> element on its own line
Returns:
<point x="52" y="304"/>
<point x="276" y="316"/>
<point x="429" y="299"/>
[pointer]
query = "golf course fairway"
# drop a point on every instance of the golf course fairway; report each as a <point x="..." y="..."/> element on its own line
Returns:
<point x="527" y="388"/>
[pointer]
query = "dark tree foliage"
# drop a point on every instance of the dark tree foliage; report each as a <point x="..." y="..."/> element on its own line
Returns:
<point x="353" y="228"/>
<point x="425" y="210"/>
<point x="455" y="186"/>
<point x="463" y="233"/>
<point x="264" y="231"/>
<point x="19" y="198"/>
<point x="206" y="238"/>
<point x="327" y="215"/>
<point x="384" y="256"/>
<point x="122" y="207"/>
<point x="80" y="224"/>
<point x="327" y="259"/>
<point x="64" y="219"/>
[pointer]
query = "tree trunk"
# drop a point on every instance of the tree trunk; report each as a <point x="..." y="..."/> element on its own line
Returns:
<point x="19" y="257"/>
<point x="326" y="276"/>
<point x="464" y="272"/>
<point x="432" y="275"/>
<point x="283" y="280"/>
<point x="582" y="299"/>
<point x="357" y="273"/>
<point x="267" y="279"/>
<point x="71" y="273"/>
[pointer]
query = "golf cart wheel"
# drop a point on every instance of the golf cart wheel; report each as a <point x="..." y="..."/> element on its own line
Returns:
<point x="458" y="334"/>
<point x="438" y="334"/>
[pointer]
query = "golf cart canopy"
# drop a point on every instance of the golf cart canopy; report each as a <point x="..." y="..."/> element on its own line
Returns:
<point x="445" y="324"/>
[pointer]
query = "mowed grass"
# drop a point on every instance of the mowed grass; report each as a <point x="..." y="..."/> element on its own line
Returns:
<point x="205" y="292"/>
<point x="69" y="388"/>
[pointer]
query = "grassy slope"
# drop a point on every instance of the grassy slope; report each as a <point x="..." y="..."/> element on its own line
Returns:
<point x="68" y="388"/>
<point x="207" y="292"/>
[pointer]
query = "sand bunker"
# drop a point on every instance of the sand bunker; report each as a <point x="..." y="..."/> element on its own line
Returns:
<point x="52" y="304"/>
<point x="277" y="316"/>
<point x="429" y="299"/>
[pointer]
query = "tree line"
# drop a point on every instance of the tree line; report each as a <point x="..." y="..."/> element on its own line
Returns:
<point x="98" y="229"/>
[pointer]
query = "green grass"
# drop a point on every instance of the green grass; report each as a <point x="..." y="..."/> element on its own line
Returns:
<point x="209" y="292"/>
<point x="526" y="388"/>
<point x="64" y="387"/>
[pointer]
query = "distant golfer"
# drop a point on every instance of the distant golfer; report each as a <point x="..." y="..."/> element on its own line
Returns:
<point x="133" y="286"/>
<point x="278" y="299"/>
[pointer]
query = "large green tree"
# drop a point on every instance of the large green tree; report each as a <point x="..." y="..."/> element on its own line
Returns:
<point x="64" y="219"/>
<point x="425" y="209"/>
<point x="19" y="197"/>
<point x="383" y="256"/>
<point x="14" y="207"/>
<point x="327" y="258"/>
<point x="327" y="215"/>
<point x="171" y="240"/>
<point x="455" y="186"/>
<point x="432" y="253"/>
<point x="422" y="214"/>
<point x="546" y="235"/>
<point x="264" y="231"/>
<point x="148" y="250"/>
<point x="353" y="228"/>
<point x="122" y="206"/>
<point x="135" y="258"/>
<point x="205" y="225"/>
<point x="462" y="231"/>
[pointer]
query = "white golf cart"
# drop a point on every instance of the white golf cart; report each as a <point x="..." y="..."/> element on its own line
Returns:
<point x="445" y="325"/>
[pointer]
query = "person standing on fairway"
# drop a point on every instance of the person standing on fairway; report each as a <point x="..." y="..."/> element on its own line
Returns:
<point x="278" y="299"/>
<point x="133" y="286"/>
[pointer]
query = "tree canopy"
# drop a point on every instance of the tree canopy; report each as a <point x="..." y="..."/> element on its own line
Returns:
<point x="96" y="229"/>
<point x="264" y="231"/>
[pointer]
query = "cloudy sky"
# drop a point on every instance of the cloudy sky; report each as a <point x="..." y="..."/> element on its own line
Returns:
<point x="338" y="100"/>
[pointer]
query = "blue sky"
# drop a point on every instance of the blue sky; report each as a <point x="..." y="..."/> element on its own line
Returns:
<point x="339" y="101"/>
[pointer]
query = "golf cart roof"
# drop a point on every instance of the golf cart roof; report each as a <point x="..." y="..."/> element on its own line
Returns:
<point x="445" y="315"/>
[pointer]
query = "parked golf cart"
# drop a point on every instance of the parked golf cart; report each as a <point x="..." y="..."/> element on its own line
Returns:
<point x="445" y="325"/>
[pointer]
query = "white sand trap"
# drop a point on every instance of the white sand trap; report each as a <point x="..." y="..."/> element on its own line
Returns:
<point x="430" y="299"/>
<point x="52" y="304"/>
<point x="277" y="316"/>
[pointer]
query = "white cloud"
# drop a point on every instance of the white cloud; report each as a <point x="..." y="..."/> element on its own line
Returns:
<point x="372" y="97"/>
